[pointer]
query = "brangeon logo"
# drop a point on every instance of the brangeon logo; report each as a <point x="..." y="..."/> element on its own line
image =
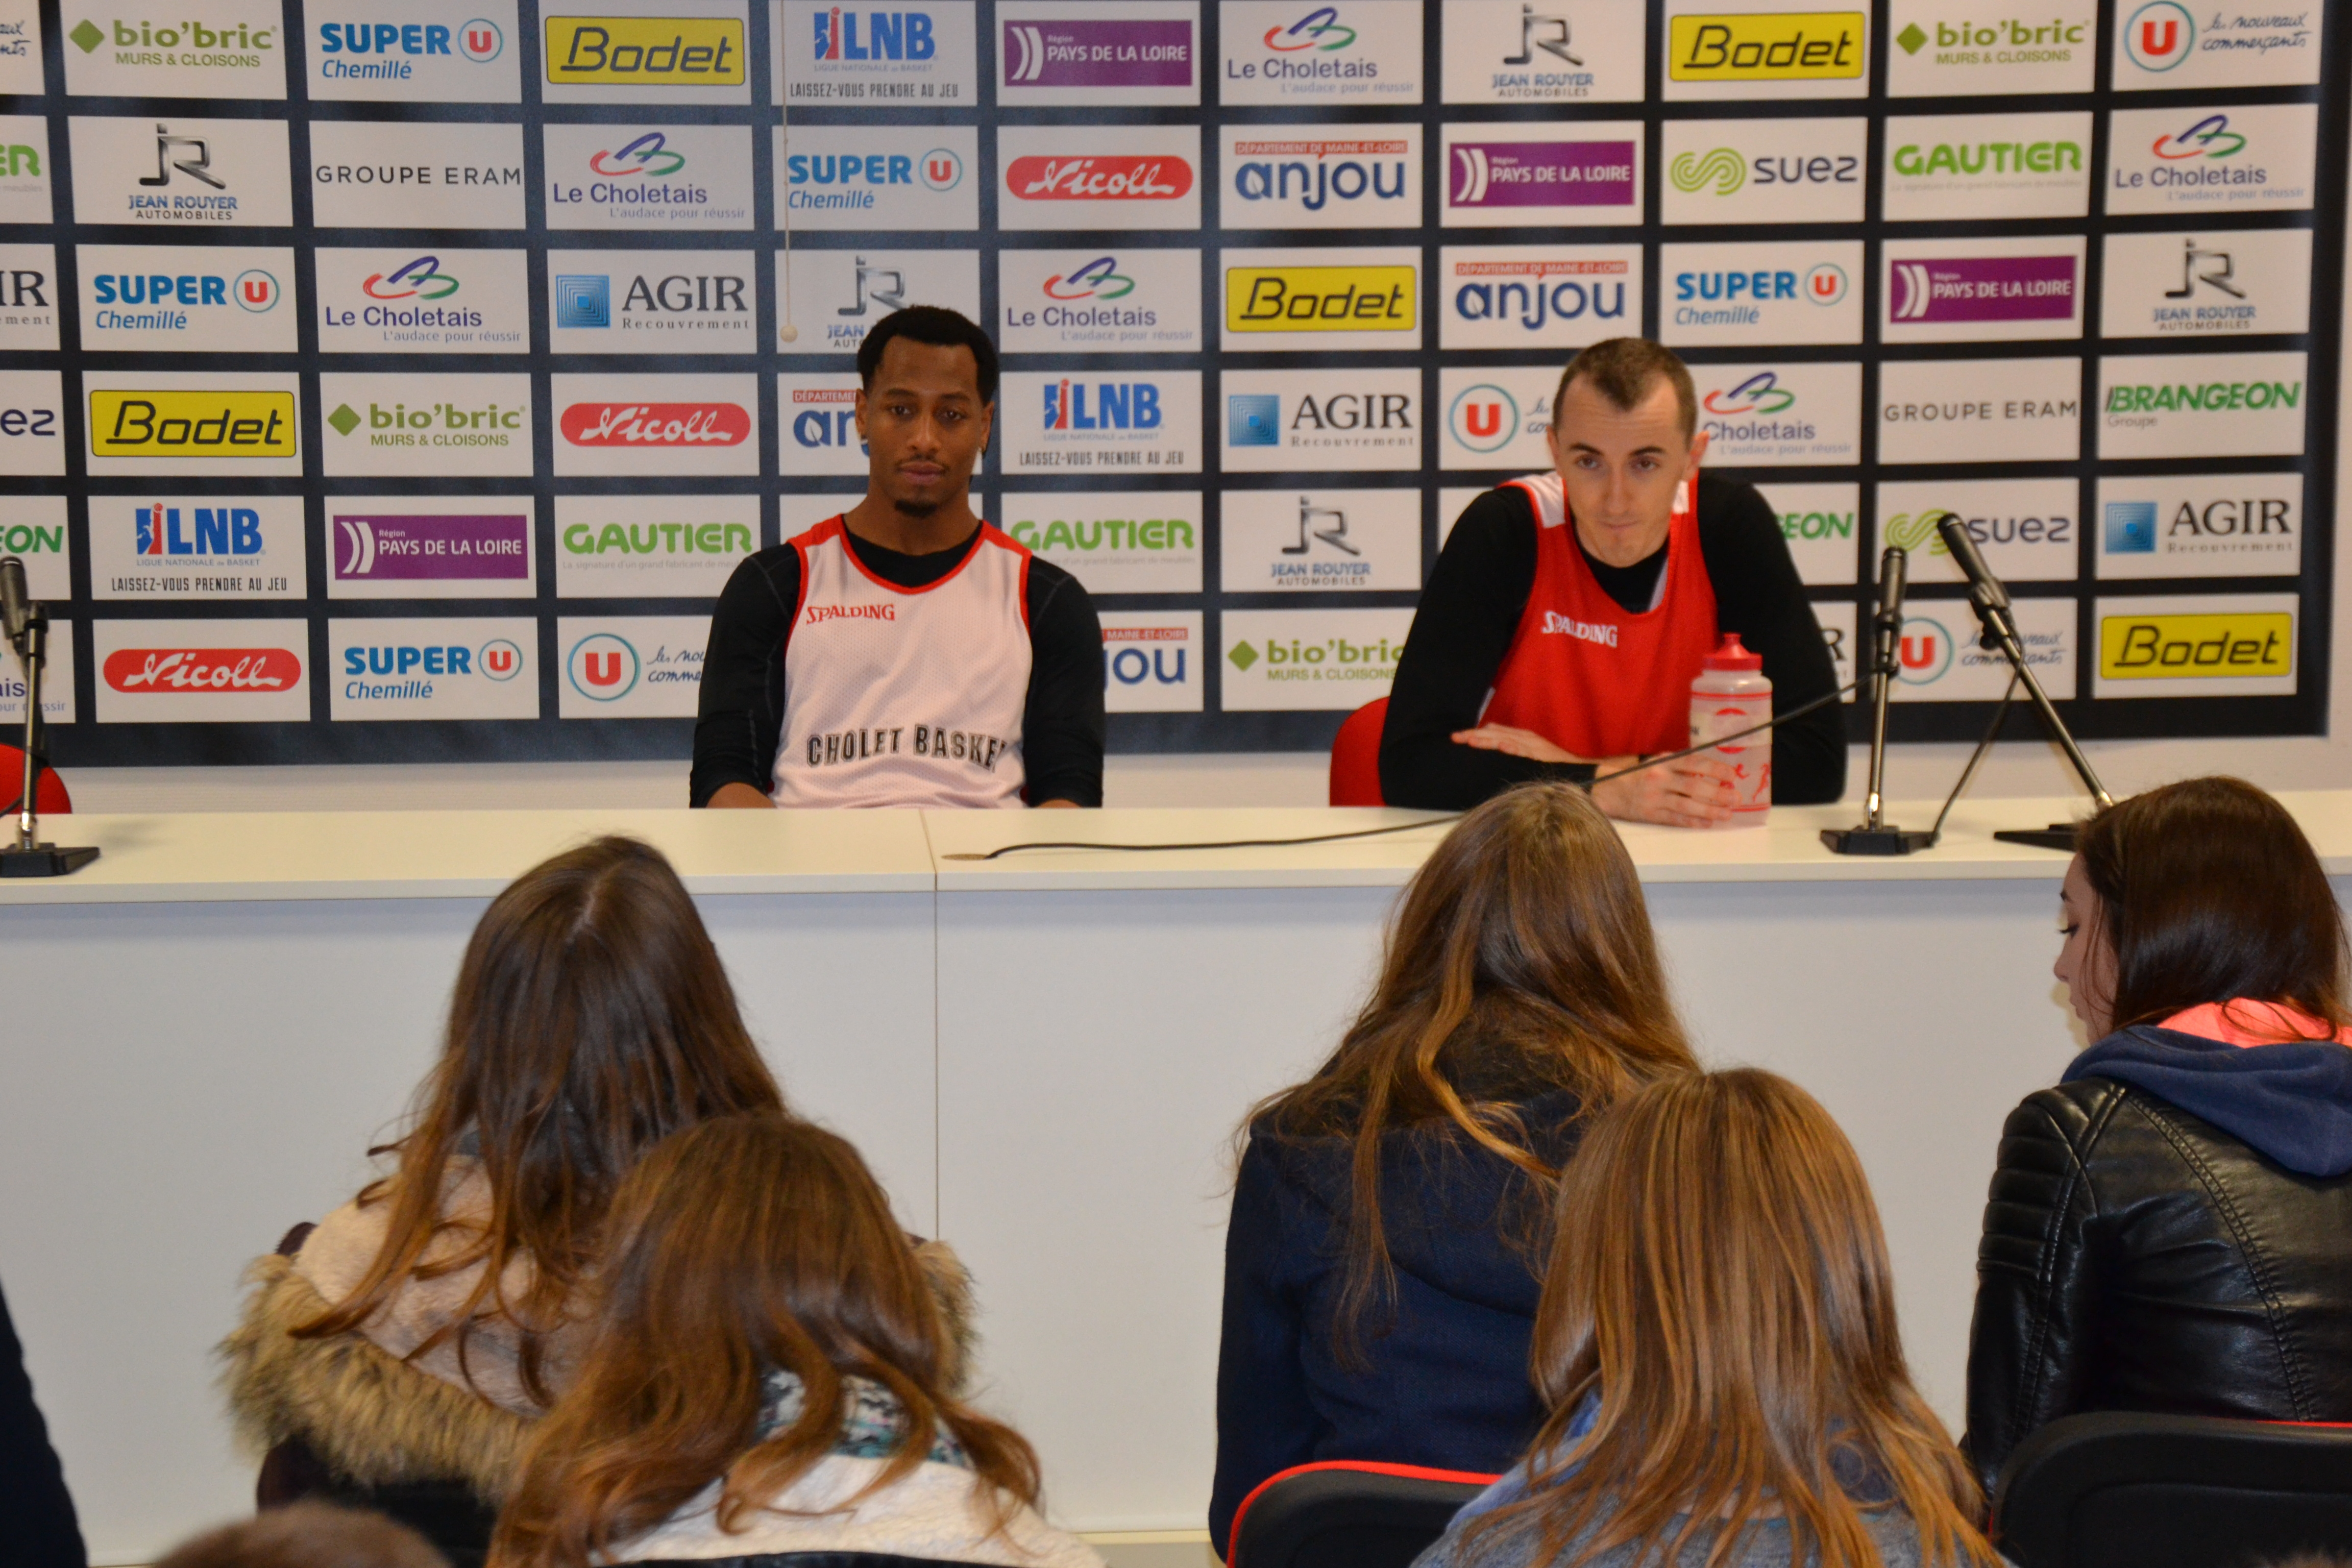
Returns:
<point x="2210" y="397"/>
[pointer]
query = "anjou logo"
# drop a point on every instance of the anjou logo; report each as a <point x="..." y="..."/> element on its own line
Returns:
<point x="644" y="51"/>
<point x="192" y="424"/>
<point x="1794" y="45"/>
<point x="1320" y="30"/>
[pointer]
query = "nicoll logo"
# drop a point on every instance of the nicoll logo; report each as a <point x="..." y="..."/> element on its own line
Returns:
<point x="419" y="279"/>
<point x="648" y="154"/>
<point x="1109" y="179"/>
<point x="216" y="531"/>
<point x="194" y="669"/>
<point x="888" y="34"/>
<point x="1548" y="34"/>
<point x="655" y="424"/>
<point x="189" y="156"/>
<point x="2159" y="36"/>
<point x="1104" y="406"/>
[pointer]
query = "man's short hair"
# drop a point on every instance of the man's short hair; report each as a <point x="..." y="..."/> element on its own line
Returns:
<point x="1625" y="371"/>
<point x="308" y="1534"/>
<point x="933" y="324"/>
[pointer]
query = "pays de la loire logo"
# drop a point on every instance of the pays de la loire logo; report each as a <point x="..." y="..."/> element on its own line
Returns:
<point x="1484" y="418"/>
<point x="656" y="425"/>
<point x="1098" y="179"/>
<point x="648" y="154"/>
<point x="1759" y="393"/>
<point x="1320" y="30"/>
<point x="1097" y="280"/>
<point x="419" y="279"/>
<point x="2159" y="35"/>
<point x="2209" y="138"/>
<point x="601" y="668"/>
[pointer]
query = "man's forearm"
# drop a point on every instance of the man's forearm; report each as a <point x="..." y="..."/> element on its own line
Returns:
<point x="738" y="797"/>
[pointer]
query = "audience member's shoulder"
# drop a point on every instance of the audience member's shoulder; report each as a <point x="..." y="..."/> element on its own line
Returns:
<point x="2072" y="1111"/>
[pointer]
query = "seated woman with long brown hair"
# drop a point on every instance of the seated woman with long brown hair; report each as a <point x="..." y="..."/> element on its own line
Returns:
<point x="393" y="1356"/>
<point x="1718" y="1350"/>
<point x="769" y="1373"/>
<point x="1385" y="1249"/>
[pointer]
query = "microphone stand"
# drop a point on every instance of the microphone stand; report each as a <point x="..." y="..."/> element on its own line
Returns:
<point x="1874" y="836"/>
<point x="29" y="856"/>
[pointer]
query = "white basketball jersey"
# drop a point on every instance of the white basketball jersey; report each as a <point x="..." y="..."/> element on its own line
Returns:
<point x="906" y="697"/>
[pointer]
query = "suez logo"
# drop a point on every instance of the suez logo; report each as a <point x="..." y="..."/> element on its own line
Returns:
<point x="1284" y="299"/>
<point x="1799" y="292"/>
<point x="644" y="51"/>
<point x="2027" y="529"/>
<point x="1764" y="171"/>
<point x="1337" y="176"/>
<point x="1743" y="51"/>
<point x="2217" y="525"/>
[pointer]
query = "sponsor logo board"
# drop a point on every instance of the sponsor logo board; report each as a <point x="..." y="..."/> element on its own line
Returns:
<point x="202" y="672"/>
<point x="2228" y="645"/>
<point x="1124" y="542"/>
<point x="177" y="170"/>
<point x="859" y="178"/>
<point x="1321" y="176"/>
<point x="630" y="667"/>
<point x="1818" y="521"/>
<point x="651" y="301"/>
<point x="2245" y="158"/>
<point x="188" y="422"/>
<point x="1836" y="619"/>
<point x="1942" y="663"/>
<point x="411" y="301"/>
<point x="430" y="547"/>
<point x="1286" y="421"/>
<point x="1799" y="291"/>
<point x="1944" y="166"/>
<point x="1309" y="541"/>
<point x="1512" y="174"/>
<point x="28" y="297"/>
<point x="1066" y="52"/>
<point x="56" y="680"/>
<point x="1765" y="171"/>
<point x="2200" y="525"/>
<point x="2202" y="406"/>
<point x="2209" y="283"/>
<point x="1536" y="296"/>
<point x="195" y="547"/>
<point x="32" y="423"/>
<point x="1713" y="51"/>
<point x="1317" y="300"/>
<point x="647" y="176"/>
<point x="2165" y="44"/>
<point x="373" y="174"/>
<point x="123" y="48"/>
<point x="1304" y="52"/>
<point x="1100" y="421"/>
<point x="157" y="299"/>
<point x="25" y="167"/>
<point x="426" y="426"/>
<point x="1129" y="176"/>
<point x="20" y="50"/>
<point x="651" y="547"/>
<point x="1496" y="416"/>
<point x="608" y="51"/>
<point x="837" y="294"/>
<point x="817" y="416"/>
<point x="1948" y="47"/>
<point x="422" y="51"/>
<point x="655" y="424"/>
<point x="887" y="56"/>
<point x="1780" y="414"/>
<point x="1152" y="661"/>
<point x="1979" y="410"/>
<point x="2027" y="529"/>
<point x="798" y="512"/>
<point x="1292" y="660"/>
<point x="1568" y="51"/>
<point x="1955" y="290"/>
<point x="476" y="668"/>
<point x="35" y="534"/>
<point x="1122" y="301"/>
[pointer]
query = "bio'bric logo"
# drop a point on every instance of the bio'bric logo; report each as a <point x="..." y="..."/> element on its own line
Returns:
<point x="1097" y="280"/>
<point x="419" y="279"/>
<point x="2159" y="36"/>
<point x="648" y="154"/>
<point x="1759" y="393"/>
<point x="2209" y="138"/>
<point x="1320" y="30"/>
<point x="1723" y="168"/>
<point x="1485" y="418"/>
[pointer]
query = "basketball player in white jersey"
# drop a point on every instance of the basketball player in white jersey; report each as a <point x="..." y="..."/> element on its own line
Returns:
<point x="905" y="653"/>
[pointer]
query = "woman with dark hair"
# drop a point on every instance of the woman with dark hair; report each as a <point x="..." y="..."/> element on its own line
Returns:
<point x="768" y="1377"/>
<point x="2170" y="1229"/>
<point x="1386" y="1245"/>
<point x="1718" y="1351"/>
<point x="392" y="1356"/>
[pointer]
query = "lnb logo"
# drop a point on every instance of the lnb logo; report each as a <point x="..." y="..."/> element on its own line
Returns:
<point x="601" y="668"/>
<point x="1759" y="393"/>
<point x="419" y="279"/>
<point x="1723" y="168"/>
<point x="889" y="35"/>
<point x="1097" y="280"/>
<point x="2209" y="138"/>
<point x="648" y="154"/>
<point x="1484" y="418"/>
<point x="1320" y="30"/>
<point x="2159" y="36"/>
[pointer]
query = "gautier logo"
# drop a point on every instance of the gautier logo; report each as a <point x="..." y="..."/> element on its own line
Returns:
<point x="1988" y="158"/>
<point x="192" y="424"/>
<point x="644" y="51"/>
<point x="195" y="670"/>
<point x="655" y="424"/>
<point x="1794" y="45"/>
<point x="2169" y="648"/>
<point x="1319" y="298"/>
<point x="1100" y="179"/>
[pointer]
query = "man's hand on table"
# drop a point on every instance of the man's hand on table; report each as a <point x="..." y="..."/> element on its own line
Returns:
<point x="738" y="797"/>
<point x="1694" y="791"/>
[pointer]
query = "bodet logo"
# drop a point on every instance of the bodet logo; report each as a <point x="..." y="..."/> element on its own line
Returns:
<point x="165" y="423"/>
<point x="1712" y="53"/>
<point x="865" y="177"/>
<point x="655" y="424"/>
<point x="2237" y="645"/>
<point x="631" y="667"/>
<point x="1134" y="541"/>
<point x="1151" y="661"/>
<point x="627" y="547"/>
<point x="1138" y="176"/>
<point x="426" y="425"/>
<point x="197" y="672"/>
<point x="1310" y="659"/>
<point x="424" y="52"/>
<point x="1297" y="299"/>
<point x="1102" y="421"/>
<point x="686" y="59"/>
<point x="395" y="670"/>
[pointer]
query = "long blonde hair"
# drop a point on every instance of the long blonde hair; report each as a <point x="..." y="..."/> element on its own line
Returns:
<point x="1519" y="962"/>
<point x="1719" y="1288"/>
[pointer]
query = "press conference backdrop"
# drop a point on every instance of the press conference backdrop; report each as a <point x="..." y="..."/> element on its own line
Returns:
<point x="386" y="381"/>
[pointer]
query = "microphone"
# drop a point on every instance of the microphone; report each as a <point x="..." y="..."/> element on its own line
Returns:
<point x="1876" y="836"/>
<point x="27" y="629"/>
<point x="16" y="600"/>
<point x="1893" y="571"/>
<point x="1985" y="592"/>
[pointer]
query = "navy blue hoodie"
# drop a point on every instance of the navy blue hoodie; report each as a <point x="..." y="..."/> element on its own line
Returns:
<point x="2290" y="1103"/>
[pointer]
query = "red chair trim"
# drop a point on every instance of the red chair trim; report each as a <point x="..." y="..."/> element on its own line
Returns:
<point x="1372" y="1467"/>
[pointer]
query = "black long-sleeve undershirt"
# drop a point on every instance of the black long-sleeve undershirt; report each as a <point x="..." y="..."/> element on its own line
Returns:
<point x="1470" y="610"/>
<point x="742" y="715"/>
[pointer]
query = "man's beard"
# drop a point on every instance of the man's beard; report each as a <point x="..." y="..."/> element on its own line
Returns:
<point x="918" y="509"/>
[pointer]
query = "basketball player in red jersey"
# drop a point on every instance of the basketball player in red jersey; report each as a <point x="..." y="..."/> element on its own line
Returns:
<point x="905" y="653"/>
<point x="1569" y="612"/>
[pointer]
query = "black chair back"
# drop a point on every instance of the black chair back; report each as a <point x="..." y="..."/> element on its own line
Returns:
<point x="2119" y="1490"/>
<point x="1346" y="1513"/>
